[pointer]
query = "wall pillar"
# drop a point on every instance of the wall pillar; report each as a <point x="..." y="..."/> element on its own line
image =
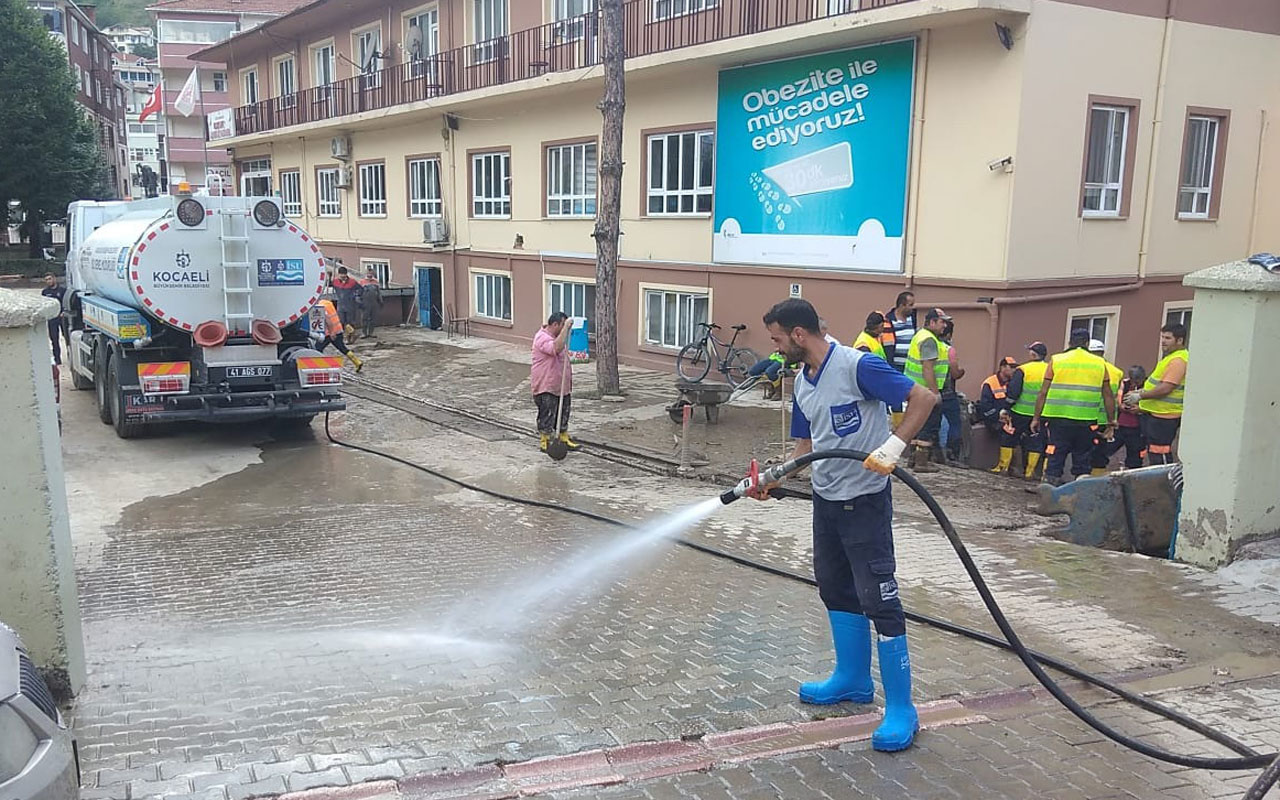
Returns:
<point x="1229" y="445"/>
<point x="37" y="575"/>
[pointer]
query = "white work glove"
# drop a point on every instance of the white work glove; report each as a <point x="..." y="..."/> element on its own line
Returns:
<point x="1132" y="399"/>
<point x="885" y="458"/>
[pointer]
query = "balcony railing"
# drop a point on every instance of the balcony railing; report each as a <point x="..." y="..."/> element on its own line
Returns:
<point x="649" y="27"/>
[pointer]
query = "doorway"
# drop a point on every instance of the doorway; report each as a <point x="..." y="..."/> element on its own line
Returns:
<point x="429" y="282"/>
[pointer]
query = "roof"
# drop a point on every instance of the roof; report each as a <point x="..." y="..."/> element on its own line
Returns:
<point x="227" y="6"/>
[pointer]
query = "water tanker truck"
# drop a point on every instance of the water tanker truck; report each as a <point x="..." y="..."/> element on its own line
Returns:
<point x="196" y="308"/>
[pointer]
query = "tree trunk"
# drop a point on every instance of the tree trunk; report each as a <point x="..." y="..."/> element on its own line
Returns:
<point x="612" y="107"/>
<point x="35" y="235"/>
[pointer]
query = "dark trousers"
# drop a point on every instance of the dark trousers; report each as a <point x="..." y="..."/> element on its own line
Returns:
<point x="1160" y="434"/>
<point x="1128" y="438"/>
<point x="853" y="559"/>
<point x="338" y="343"/>
<point x="366" y="319"/>
<point x="932" y="430"/>
<point x="768" y="367"/>
<point x="1069" y="437"/>
<point x="55" y="338"/>
<point x="1030" y="442"/>
<point x="548" y="404"/>
<point x="950" y="409"/>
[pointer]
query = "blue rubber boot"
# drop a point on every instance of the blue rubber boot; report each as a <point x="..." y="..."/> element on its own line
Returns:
<point x="898" y="730"/>
<point x="851" y="679"/>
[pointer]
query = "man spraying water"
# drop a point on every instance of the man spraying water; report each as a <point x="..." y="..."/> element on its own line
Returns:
<point x="839" y="404"/>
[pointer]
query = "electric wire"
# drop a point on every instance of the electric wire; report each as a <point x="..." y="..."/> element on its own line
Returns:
<point x="1248" y="757"/>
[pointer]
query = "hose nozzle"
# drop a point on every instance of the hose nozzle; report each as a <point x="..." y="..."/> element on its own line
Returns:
<point x="757" y="478"/>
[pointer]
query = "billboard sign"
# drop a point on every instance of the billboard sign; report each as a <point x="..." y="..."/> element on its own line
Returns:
<point x="811" y="160"/>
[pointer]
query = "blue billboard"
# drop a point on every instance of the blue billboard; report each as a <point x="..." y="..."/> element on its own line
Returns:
<point x="811" y="160"/>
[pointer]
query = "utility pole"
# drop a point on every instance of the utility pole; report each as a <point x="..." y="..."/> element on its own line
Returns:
<point x="608" y="226"/>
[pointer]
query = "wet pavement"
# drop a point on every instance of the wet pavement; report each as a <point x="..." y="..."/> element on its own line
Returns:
<point x="266" y="616"/>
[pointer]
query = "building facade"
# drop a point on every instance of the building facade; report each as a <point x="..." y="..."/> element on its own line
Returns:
<point x="182" y="28"/>
<point x="839" y="151"/>
<point x="127" y="39"/>
<point x="145" y="139"/>
<point x="97" y="92"/>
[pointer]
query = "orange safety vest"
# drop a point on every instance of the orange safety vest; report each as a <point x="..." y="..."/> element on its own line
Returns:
<point x="332" y="322"/>
<point x="999" y="391"/>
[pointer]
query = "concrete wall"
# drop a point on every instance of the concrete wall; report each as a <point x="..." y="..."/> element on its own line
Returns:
<point x="1228" y="446"/>
<point x="38" y="592"/>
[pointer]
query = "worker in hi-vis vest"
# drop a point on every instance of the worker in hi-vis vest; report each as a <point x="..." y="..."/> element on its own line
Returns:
<point x="1075" y="381"/>
<point x="993" y="412"/>
<point x="1159" y="401"/>
<point x="1022" y="391"/>
<point x="1103" y="443"/>
<point x="868" y="340"/>
<point x="928" y="365"/>
<point x="334" y="332"/>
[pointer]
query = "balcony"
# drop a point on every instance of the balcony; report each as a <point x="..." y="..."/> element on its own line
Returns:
<point x="187" y="149"/>
<point x="555" y="47"/>
<point x="212" y="101"/>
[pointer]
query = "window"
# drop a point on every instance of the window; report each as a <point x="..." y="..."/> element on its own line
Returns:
<point x="328" y="196"/>
<point x="493" y="295"/>
<point x="322" y="65"/>
<point x="574" y="299"/>
<point x="671" y="317"/>
<point x="79" y="75"/>
<point x="249" y="86"/>
<point x="286" y="82"/>
<point x="368" y="53"/>
<point x="255" y="177"/>
<point x="373" y="189"/>
<point x="291" y="193"/>
<point x="489" y="20"/>
<point x="381" y="271"/>
<point x="1178" y="315"/>
<point x="75" y="31"/>
<point x="1203" y="149"/>
<point x="680" y="168"/>
<point x="194" y="31"/>
<point x="424" y="187"/>
<point x="219" y="81"/>
<point x="491" y="185"/>
<point x="571" y="180"/>
<point x="1108" y="153"/>
<point x="570" y="16"/>
<point x="666" y="9"/>
<point x="423" y="42"/>
<point x="1102" y="324"/>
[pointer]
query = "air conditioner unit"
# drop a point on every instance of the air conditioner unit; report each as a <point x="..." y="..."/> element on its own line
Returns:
<point x="434" y="231"/>
<point x="343" y="180"/>
<point x="340" y="147"/>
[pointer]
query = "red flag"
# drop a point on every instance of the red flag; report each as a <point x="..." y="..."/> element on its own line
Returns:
<point x="153" y="105"/>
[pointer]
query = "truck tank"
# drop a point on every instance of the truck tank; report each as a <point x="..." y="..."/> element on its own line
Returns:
<point x="199" y="259"/>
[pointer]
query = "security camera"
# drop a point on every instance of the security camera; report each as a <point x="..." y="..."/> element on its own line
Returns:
<point x="1005" y="163"/>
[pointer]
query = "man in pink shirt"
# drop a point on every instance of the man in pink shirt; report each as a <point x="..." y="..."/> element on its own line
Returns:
<point x="549" y="370"/>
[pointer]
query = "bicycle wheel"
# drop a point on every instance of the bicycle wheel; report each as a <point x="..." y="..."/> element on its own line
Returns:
<point x="692" y="364"/>
<point x="741" y="360"/>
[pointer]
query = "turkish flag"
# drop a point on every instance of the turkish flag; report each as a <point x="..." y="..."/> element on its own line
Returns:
<point x="153" y="106"/>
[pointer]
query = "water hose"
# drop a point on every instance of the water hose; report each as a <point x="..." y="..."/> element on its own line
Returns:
<point x="1250" y="759"/>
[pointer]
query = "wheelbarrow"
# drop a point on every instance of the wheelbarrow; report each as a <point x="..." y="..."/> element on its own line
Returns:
<point x="708" y="396"/>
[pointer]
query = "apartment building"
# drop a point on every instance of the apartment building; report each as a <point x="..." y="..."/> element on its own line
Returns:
<point x="126" y="39"/>
<point x="1030" y="165"/>
<point x="144" y="139"/>
<point x="182" y="28"/>
<point x="99" y="95"/>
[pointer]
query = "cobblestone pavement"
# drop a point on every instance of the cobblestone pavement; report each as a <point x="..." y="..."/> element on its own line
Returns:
<point x="310" y="616"/>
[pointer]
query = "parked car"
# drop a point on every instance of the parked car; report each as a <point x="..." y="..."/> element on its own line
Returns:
<point x="38" y="758"/>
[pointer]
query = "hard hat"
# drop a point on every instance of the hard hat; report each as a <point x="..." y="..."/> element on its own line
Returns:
<point x="1097" y="346"/>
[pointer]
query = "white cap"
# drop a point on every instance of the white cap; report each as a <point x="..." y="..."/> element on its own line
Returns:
<point x="1096" y="346"/>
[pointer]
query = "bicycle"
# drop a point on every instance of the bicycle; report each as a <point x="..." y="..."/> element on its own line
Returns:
<point x="696" y="358"/>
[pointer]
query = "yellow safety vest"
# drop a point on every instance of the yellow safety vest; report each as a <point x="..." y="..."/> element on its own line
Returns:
<point x="1076" y="390"/>
<point x="1032" y="380"/>
<point x="914" y="368"/>
<point x="870" y="342"/>
<point x="1116" y="375"/>
<point x="1171" y="404"/>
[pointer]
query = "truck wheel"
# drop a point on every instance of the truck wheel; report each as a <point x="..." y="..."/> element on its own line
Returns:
<point x="125" y="430"/>
<point x="102" y="356"/>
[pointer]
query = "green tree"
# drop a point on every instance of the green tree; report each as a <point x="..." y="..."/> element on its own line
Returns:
<point x="144" y="50"/>
<point x="50" y="153"/>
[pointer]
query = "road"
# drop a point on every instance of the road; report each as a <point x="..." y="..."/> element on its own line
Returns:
<point x="266" y="616"/>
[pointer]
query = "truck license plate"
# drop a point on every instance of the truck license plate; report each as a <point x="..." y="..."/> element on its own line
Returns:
<point x="249" y="372"/>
